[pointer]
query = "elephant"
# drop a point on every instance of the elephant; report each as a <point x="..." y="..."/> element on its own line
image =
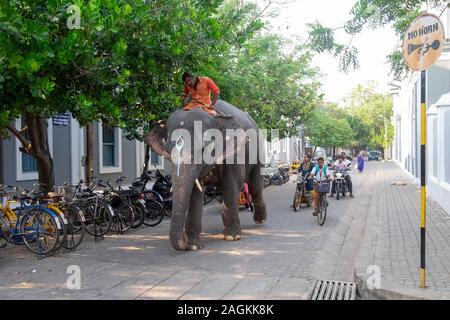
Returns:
<point x="228" y="176"/>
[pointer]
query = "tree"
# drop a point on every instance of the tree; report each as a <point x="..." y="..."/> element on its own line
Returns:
<point x="122" y="64"/>
<point x="328" y="128"/>
<point x="373" y="111"/>
<point x="278" y="87"/>
<point x="372" y="14"/>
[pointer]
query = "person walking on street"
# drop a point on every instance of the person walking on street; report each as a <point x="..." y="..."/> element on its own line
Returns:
<point x="361" y="162"/>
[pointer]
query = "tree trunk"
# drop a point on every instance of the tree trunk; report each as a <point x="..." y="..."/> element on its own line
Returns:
<point x="146" y="160"/>
<point x="89" y="153"/>
<point x="38" y="137"/>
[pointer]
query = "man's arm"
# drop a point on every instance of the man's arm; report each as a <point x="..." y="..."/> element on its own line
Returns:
<point x="186" y="91"/>
<point x="215" y="89"/>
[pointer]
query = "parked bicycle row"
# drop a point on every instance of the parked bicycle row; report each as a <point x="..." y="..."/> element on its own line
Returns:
<point x="45" y="223"/>
<point x="277" y="176"/>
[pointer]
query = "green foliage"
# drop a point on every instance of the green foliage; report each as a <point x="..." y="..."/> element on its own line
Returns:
<point x="123" y="66"/>
<point x="329" y="127"/>
<point x="372" y="113"/>
<point x="372" y="14"/>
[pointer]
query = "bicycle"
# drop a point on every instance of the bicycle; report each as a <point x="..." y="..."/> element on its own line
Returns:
<point x="34" y="225"/>
<point x="322" y="188"/>
<point x="119" y="200"/>
<point x="97" y="212"/>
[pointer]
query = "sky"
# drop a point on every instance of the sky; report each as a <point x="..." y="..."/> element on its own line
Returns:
<point x="373" y="45"/>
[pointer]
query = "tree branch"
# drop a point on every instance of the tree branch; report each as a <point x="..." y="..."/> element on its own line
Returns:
<point x="27" y="148"/>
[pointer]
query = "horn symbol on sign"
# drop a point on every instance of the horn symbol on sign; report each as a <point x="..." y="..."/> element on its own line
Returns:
<point x="424" y="48"/>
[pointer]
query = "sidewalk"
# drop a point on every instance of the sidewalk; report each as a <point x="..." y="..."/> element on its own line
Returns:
<point x="392" y="241"/>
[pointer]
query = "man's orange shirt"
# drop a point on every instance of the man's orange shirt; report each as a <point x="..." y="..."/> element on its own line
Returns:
<point x="203" y="93"/>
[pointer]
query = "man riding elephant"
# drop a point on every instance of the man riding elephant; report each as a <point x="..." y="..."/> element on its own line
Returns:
<point x="188" y="133"/>
<point x="198" y="90"/>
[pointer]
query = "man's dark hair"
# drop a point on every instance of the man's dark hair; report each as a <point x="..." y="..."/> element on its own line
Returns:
<point x="185" y="76"/>
<point x="320" y="159"/>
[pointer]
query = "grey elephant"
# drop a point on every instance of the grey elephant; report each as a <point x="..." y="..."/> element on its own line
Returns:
<point x="228" y="176"/>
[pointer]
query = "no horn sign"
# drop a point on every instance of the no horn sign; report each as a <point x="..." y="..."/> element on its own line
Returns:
<point x="423" y="42"/>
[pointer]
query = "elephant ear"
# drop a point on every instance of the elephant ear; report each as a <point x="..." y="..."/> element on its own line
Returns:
<point x="156" y="140"/>
<point x="224" y="123"/>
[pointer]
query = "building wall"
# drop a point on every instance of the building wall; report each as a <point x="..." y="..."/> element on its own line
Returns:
<point x="407" y="127"/>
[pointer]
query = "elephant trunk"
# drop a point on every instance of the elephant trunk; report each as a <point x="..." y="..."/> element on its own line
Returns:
<point x="182" y="192"/>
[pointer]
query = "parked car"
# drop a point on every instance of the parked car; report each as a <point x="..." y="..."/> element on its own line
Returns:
<point x="374" y="155"/>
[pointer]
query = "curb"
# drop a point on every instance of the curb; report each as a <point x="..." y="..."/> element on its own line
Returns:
<point x="388" y="290"/>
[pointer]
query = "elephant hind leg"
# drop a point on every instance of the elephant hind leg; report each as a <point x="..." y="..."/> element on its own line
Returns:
<point x="255" y="187"/>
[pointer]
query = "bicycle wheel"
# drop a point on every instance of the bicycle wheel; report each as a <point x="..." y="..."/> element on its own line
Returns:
<point x="322" y="215"/>
<point x="98" y="215"/>
<point x="124" y="217"/>
<point x="4" y="232"/>
<point x="40" y="230"/>
<point x="139" y="214"/>
<point x="154" y="214"/>
<point x="298" y="200"/>
<point x="76" y="229"/>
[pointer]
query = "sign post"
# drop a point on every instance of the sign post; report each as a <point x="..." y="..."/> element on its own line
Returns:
<point x="423" y="44"/>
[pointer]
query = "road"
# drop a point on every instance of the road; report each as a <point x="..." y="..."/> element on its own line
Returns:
<point x="278" y="260"/>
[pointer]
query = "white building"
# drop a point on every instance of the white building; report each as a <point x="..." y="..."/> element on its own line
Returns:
<point x="406" y="121"/>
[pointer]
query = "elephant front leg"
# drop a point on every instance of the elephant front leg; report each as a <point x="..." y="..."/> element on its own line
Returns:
<point x="230" y="214"/>
<point x="193" y="225"/>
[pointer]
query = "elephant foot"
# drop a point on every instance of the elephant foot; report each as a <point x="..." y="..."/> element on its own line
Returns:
<point x="194" y="246"/>
<point x="260" y="218"/>
<point x="229" y="237"/>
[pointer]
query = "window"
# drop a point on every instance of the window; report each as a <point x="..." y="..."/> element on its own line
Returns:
<point x="435" y="147"/>
<point x="110" y="149"/>
<point x="26" y="165"/>
<point x="447" y="144"/>
<point x="29" y="163"/>
<point x="155" y="159"/>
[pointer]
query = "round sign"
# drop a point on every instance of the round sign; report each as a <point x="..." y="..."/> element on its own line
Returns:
<point x="423" y="42"/>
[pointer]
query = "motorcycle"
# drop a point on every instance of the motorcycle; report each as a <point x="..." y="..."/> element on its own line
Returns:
<point x="340" y="183"/>
<point x="163" y="187"/>
<point x="160" y="193"/>
<point x="302" y="196"/>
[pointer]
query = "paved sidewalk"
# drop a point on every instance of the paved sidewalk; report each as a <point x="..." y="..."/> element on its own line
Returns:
<point x="278" y="260"/>
<point x="392" y="240"/>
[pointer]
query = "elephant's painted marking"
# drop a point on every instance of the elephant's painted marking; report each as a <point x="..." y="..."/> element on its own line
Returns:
<point x="179" y="146"/>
